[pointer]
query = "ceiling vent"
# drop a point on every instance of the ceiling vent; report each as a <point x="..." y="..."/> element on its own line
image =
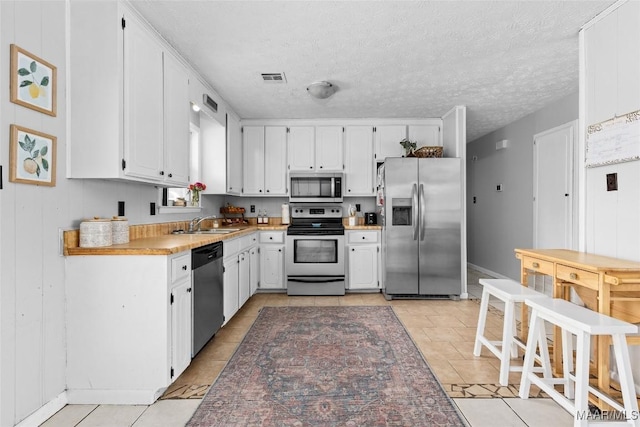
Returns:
<point x="209" y="102"/>
<point x="274" y="78"/>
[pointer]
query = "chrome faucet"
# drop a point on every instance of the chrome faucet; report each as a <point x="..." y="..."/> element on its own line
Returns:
<point x="195" y="222"/>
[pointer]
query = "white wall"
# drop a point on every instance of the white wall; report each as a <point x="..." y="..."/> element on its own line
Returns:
<point x="499" y="222"/>
<point x="612" y="87"/>
<point x="32" y="294"/>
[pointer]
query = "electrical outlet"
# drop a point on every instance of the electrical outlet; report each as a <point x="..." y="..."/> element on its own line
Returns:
<point x="499" y="187"/>
<point x="357" y="207"/>
<point x="120" y="208"/>
<point x="152" y="208"/>
<point x="474" y="200"/>
<point x="253" y="208"/>
<point x="612" y="182"/>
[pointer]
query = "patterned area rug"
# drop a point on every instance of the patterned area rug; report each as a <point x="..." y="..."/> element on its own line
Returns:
<point x="326" y="366"/>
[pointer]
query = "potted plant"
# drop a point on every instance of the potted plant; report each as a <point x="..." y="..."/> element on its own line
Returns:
<point x="408" y="146"/>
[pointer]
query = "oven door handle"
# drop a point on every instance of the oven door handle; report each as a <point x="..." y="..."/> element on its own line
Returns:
<point x="317" y="280"/>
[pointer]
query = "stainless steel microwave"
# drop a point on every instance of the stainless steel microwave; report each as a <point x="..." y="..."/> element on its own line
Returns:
<point x="308" y="187"/>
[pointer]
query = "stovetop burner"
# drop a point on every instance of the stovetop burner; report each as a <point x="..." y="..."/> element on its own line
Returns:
<point x="316" y="220"/>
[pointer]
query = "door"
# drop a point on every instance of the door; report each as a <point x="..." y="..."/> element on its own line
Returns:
<point x="425" y="135"/>
<point x="401" y="214"/>
<point x="439" y="235"/>
<point x="231" y="283"/>
<point x="359" y="167"/>
<point x="234" y="156"/>
<point x="181" y="327"/>
<point x="363" y="266"/>
<point x="301" y="148"/>
<point x="329" y="148"/>
<point x="272" y="266"/>
<point x="388" y="141"/>
<point x="553" y="188"/>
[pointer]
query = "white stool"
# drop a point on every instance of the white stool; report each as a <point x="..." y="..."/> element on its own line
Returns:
<point x="582" y="322"/>
<point x="510" y="292"/>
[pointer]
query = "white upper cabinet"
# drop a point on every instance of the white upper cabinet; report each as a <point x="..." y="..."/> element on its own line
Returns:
<point x="128" y="98"/>
<point x="425" y="135"/>
<point x="234" y="156"/>
<point x="329" y="148"/>
<point x="253" y="164"/>
<point x="388" y="139"/>
<point x="359" y="161"/>
<point x="265" y="158"/>
<point x="176" y="121"/>
<point x="301" y="143"/>
<point x="275" y="160"/>
<point x="315" y="148"/>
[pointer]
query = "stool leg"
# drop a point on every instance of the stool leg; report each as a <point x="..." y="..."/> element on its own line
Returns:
<point x="514" y="333"/>
<point x="544" y="350"/>
<point x="621" y="351"/>
<point x="507" y="343"/>
<point x="482" y="319"/>
<point x="583" y="350"/>
<point x="527" y="368"/>
<point x="567" y="363"/>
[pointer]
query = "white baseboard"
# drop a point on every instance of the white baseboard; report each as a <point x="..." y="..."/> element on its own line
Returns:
<point x="489" y="272"/>
<point x="45" y="412"/>
<point x="113" y="397"/>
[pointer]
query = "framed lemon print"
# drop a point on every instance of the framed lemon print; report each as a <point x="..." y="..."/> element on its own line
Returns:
<point x="33" y="81"/>
<point x="32" y="157"/>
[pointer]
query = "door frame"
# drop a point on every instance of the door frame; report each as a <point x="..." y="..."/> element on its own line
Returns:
<point x="572" y="172"/>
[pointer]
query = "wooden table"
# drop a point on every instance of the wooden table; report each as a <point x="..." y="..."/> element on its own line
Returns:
<point x="608" y="285"/>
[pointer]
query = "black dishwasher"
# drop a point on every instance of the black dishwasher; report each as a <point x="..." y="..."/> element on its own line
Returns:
<point x="207" y="302"/>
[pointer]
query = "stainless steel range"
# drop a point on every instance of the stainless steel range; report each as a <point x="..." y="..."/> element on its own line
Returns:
<point x="315" y="250"/>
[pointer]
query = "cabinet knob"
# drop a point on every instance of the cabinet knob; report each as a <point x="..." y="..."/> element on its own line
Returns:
<point x="184" y="267"/>
<point x="170" y="175"/>
<point x="267" y="191"/>
<point x="188" y="289"/>
<point x="320" y="167"/>
<point x="279" y="250"/>
<point x="310" y="167"/>
<point x="573" y="276"/>
<point x="161" y="172"/>
<point x="363" y="238"/>
<point x="260" y="191"/>
<point x="535" y="265"/>
<point x="349" y="190"/>
<point x="353" y="250"/>
<point x="270" y="238"/>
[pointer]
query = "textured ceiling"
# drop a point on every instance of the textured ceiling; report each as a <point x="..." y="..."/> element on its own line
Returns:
<point x="390" y="59"/>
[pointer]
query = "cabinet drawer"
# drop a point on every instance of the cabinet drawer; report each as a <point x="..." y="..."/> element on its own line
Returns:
<point x="543" y="267"/>
<point x="362" y="237"/>
<point x="180" y="267"/>
<point x="248" y="241"/>
<point x="230" y="247"/>
<point x="575" y="275"/>
<point x="272" y="237"/>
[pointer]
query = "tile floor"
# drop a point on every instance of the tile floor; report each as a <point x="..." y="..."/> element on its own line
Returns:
<point x="443" y="330"/>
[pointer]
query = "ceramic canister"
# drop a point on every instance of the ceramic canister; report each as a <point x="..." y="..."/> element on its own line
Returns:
<point x="120" y="230"/>
<point x="95" y="232"/>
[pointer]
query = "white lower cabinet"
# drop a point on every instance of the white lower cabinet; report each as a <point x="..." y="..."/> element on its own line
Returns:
<point x="272" y="273"/>
<point x="238" y="272"/>
<point x="124" y="335"/>
<point x="363" y="259"/>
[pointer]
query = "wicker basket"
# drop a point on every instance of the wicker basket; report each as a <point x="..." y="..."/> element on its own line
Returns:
<point x="428" y="152"/>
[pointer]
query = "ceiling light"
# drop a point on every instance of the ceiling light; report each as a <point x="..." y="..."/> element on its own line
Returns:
<point x="321" y="90"/>
<point x="195" y="107"/>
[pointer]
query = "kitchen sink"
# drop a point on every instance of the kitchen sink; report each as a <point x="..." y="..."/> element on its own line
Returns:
<point x="213" y="231"/>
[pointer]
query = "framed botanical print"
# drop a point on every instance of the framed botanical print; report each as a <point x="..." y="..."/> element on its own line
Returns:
<point x="33" y="81"/>
<point x="32" y="157"/>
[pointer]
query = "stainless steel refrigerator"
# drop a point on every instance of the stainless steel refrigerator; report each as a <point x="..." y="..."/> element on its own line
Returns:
<point x="423" y="214"/>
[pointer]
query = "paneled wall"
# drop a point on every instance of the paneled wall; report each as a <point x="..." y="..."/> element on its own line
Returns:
<point x="32" y="334"/>
<point x="612" y="88"/>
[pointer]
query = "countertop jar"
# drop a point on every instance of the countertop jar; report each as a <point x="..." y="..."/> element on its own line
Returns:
<point x="96" y="232"/>
<point x="120" y="230"/>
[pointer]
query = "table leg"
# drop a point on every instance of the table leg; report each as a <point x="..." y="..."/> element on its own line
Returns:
<point x="524" y="311"/>
<point x="558" y="292"/>
<point x="604" y="342"/>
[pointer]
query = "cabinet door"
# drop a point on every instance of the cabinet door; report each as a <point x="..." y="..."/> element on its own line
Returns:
<point x="244" y="275"/>
<point x="363" y="266"/>
<point x="143" y="103"/>
<point x="425" y="135"/>
<point x="254" y="270"/>
<point x="329" y="148"/>
<point x="234" y="156"/>
<point x="301" y="148"/>
<point x="275" y="160"/>
<point x="359" y="160"/>
<point x="176" y="122"/>
<point x="253" y="155"/>
<point x="230" y="296"/>
<point x="272" y="267"/>
<point x="180" y="327"/>
<point x="388" y="141"/>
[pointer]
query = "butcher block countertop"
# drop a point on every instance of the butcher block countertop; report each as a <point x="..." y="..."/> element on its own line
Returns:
<point x="156" y="239"/>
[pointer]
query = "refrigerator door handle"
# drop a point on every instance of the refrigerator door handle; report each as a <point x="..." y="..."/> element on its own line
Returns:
<point x="414" y="211"/>
<point x="423" y="213"/>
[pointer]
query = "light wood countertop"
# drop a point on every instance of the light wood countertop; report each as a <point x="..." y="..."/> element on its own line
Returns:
<point x="167" y="244"/>
<point x="363" y="227"/>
